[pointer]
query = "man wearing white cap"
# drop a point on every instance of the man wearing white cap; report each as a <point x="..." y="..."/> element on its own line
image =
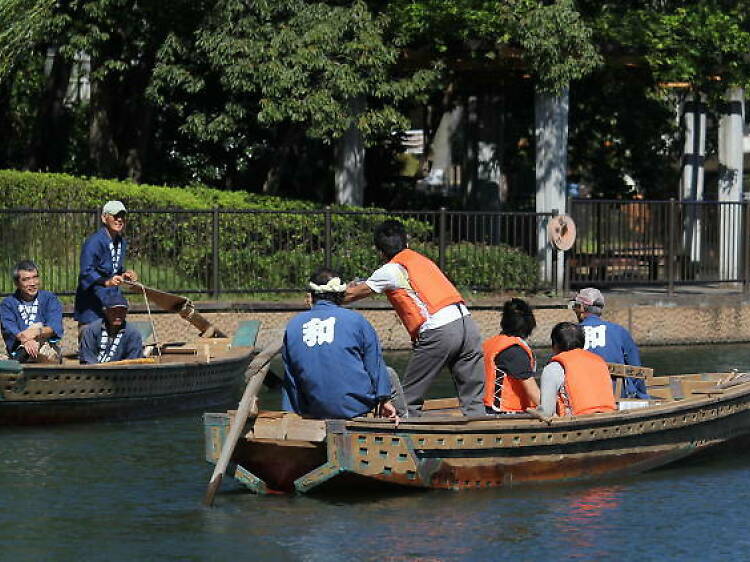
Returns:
<point x="102" y="268"/>
<point x="610" y="341"/>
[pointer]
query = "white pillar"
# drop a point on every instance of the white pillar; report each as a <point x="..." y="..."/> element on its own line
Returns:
<point x="693" y="157"/>
<point x="551" y="129"/>
<point x="731" y="135"/>
<point x="350" y="163"/>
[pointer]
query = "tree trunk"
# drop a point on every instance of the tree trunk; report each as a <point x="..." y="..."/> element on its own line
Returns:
<point x="102" y="146"/>
<point x="140" y="139"/>
<point x="350" y="162"/>
<point x="5" y="124"/>
<point x="50" y="137"/>
<point x="279" y="159"/>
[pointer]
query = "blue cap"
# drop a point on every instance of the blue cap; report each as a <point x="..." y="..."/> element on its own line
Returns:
<point x="114" y="299"/>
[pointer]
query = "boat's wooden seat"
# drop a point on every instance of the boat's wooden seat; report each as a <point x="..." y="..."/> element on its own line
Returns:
<point x="620" y="372"/>
<point x="285" y="426"/>
<point x="684" y="386"/>
<point x="441" y="407"/>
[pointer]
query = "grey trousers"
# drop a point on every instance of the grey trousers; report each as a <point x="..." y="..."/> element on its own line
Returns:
<point x="458" y="347"/>
<point x="397" y="395"/>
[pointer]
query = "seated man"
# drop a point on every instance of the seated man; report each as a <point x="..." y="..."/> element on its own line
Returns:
<point x="608" y="340"/>
<point x="333" y="366"/>
<point x="575" y="381"/>
<point x="111" y="339"/>
<point x="31" y="318"/>
<point x="509" y="363"/>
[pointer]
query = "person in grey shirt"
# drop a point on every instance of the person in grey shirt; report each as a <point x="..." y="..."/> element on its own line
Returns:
<point x="578" y="377"/>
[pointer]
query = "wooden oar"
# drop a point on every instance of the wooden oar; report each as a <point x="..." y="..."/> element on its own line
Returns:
<point x="182" y="306"/>
<point x="248" y="407"/>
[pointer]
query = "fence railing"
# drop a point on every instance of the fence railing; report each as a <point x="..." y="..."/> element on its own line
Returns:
<point x="230" y="252"/>
<point x="659" y="243"/>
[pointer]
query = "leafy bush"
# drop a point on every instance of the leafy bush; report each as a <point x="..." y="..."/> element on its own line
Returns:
<point x="263" y="242"/>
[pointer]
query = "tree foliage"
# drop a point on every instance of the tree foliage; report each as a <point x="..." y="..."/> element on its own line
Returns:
<point x="252" y="94"/>
<point x="549" y="39"/>
<point x="702" y="42"/>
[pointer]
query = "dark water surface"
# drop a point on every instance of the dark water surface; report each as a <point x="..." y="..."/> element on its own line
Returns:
<point x="131" y="491"/>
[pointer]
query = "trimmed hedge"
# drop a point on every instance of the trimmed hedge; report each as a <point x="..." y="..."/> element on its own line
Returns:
<point x="264" y="242"/>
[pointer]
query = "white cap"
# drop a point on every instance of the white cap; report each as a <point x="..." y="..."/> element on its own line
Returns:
<point x="591" y="299"/>
<point x="113" y="208"/>
<point x="590" y="296"/>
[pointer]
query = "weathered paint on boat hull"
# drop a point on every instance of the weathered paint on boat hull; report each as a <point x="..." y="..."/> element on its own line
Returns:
<point x="63" y="394"/>
<point x="459" y="453"/>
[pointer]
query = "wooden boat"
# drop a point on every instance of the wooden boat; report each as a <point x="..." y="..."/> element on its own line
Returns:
<point x="179" y="378"/>
<point x="442" y="449"/>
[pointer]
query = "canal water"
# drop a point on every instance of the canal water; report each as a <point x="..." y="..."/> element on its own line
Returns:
<point x="132" y="491"/>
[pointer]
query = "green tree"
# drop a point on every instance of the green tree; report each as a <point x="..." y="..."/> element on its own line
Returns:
<point x="548" y="39"/>
<point x="258" y="80"/>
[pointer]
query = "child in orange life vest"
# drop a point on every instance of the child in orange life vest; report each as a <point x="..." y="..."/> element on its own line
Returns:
<point x="509" y="363"/>
<point x="576" y="381"/>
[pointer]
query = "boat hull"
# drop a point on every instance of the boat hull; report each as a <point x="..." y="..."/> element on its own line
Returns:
<point x="461" y="453"/>
<point x="61" y="394"/>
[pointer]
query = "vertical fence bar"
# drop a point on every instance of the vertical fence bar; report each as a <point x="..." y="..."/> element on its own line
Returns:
<point x="671" y="221"/>
<point x="328" y="240"/>
<point x="215" y="255"/>
<point x="441" y="239"/>
<point x="746" y="248"/>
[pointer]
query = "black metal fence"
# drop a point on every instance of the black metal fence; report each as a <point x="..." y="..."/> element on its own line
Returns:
<point x="224" y="252"/>
<point x="659" y="243"/>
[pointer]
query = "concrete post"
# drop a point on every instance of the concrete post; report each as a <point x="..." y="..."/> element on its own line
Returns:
<point x="551" y="130"/>
<point x="693" y="158"/>
<point x="731" y="133"/>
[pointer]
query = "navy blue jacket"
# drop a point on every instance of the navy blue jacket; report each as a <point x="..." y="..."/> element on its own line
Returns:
<point x="333" y="365"/>
<point x="614" y="344"/>
<point x="95" y="268"/>
<point x="49" y="313"/>
<point x="130" y="346"/>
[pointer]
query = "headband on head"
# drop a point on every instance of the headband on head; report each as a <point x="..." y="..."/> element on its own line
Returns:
<point x="334" y="285"/>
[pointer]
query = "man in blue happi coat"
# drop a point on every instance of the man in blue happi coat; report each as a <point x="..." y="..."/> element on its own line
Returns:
<point x="610" y="341"/>
<point x="31" y="318"/>
<point x="111" y="339"/>
<point x="102" y="265"/>
<point x="333" y="365"/>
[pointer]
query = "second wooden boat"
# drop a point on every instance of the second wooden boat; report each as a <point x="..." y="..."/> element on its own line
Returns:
<point x="204" y="374"/>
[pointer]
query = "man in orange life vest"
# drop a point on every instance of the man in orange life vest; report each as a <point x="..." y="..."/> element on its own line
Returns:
<point x="576" y="381"/>
<point x="509" y="363"/>
<point x="432" y="310"/>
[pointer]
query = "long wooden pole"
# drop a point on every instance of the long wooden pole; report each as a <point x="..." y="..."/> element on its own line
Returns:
<point x="248" y="407"/>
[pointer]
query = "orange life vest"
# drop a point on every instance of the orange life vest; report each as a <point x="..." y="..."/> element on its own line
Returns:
<point x="513" y="397"/>
<point x="588" y="386"/>
<point x="429" y="284"/>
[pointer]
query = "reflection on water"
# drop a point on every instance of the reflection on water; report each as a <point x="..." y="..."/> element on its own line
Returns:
<point x="131" y="491"/>
<point x="586" y="516"/>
